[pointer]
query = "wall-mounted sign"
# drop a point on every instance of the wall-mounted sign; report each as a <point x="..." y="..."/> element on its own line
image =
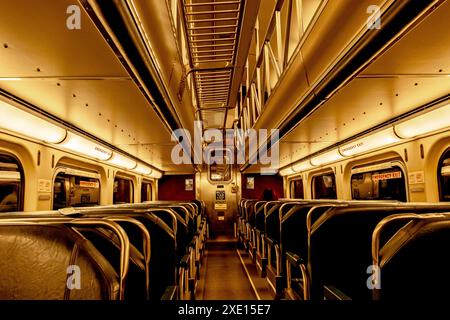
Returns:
<point x="416" y="189"/>
<point x="220" y="206"/>
<point x="250" y="183"/>
<point x="416" y="177"/>
<point x="189" y="184"/>
<point x="44" y="186"/>
<point x="387" y="176"/>
<point x="90" y="184"/>
<point x="220" y="195"/>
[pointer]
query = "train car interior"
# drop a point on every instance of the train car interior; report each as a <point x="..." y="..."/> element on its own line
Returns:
<point x="224" y="150"/>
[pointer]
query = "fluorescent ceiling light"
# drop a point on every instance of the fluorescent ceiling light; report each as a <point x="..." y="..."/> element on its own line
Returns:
<point x="302" y="166"/>
<point x="286" y="172"/>
<point x="327" y="157"/>
<point x="85" y="147"/>
<point x="434" y="120"/>
<point x="9" y="175"/>
<point x="156" y="174"/>
<point x="24" y="123"/>
<point x="373" y="141"/>
<point x="122" y="161"/>
<point x="142" y="169"/>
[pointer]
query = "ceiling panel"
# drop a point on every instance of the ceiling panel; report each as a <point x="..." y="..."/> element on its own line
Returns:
<point x="36" y="36"/>
<point x="90" y="104"/>
<point x="425" y="50"/>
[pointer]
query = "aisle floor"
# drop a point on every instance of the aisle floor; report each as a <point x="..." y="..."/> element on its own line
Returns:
<point x="224" y="277"/>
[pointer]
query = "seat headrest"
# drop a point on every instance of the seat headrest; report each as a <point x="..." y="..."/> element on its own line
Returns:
<point x="35" y="262"/>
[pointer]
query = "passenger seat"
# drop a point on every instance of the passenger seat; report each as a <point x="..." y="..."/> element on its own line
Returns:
<point x="34" y="262"/>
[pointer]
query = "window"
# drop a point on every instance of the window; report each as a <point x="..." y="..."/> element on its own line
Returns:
<point x="379" y="182"/>
<point x="11" y="184"/>
<point x="297" y="189"/>
<point x="123" y="191"/>
<point x="74" y="188"/>
<point x="324" y="186"/>
<point x="220" y="167"/>
<point x="444" y="177"/>
<point x="220" y="172"/>
<point x="146" y="191"/>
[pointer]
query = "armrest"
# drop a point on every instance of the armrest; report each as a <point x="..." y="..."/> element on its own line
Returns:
<point x="170" y="293"/>
<point x="185" y="261"/>
<point x="294" y="259"/>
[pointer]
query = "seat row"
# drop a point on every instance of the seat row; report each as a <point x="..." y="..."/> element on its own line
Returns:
<point x="329" y="249"/>
<point x="147" y="251"/>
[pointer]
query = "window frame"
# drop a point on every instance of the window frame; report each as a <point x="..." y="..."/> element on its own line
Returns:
<point x="119" y="176"/>
<point x="21" y="196"/>
<point x="151" y="189"/>
<point x="228" y="153"/>
<point x="292" y="188"/>
<point x="80" y="172"/>
<point x="373" y="165"/>
<point x="313" y="195"/>
<point x="444" y="155"/>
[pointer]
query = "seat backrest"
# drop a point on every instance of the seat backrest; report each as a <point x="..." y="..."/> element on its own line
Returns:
<point x="257" y="207"/>
<point x="259" y="204"/>
<point x="35" y="260"/>
<point x="249" y="209"/>
<point x="415" y="262"/>
<point x="163" y="246"/>
<point x="272" y="221"/>
<point x="109" y="246"/>
<point x="240" y="207"/>
<point x="182" y="233"/>
<point x="259" y="215"/>
<point x="187" y="212"/>
<point x="163" y="268"/>
<point x="340" y="246"/>
<point x="197" y="213"/>
<point x="269" y="208"/>
<point x="293" y="229"/>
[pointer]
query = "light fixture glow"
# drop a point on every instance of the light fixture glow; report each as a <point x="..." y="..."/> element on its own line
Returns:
<point x="373" y="141"/>
<point x="122" y="161"/>
<point x="24" y="123"/>
<point x="286" y="172"/>
<point x="327" y="157"/>
<point x="85" y="147"/>
<point x="434" y="120"/>
<point x="156" y="174"/>
<point x="302" y="166"/>
<point x="142" y="169"/>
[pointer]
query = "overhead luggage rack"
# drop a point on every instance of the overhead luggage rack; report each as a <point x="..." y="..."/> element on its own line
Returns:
<point x="212" y="31"/>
